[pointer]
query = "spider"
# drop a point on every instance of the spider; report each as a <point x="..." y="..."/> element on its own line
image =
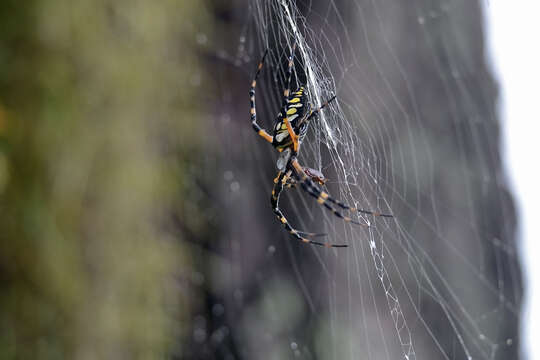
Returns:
<point x="288" y="132"/>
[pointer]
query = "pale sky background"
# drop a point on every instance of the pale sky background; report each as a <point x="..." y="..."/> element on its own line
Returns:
<point x="513" y="39"/>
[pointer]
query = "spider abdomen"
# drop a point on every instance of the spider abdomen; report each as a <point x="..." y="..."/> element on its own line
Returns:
<point x="296" y="113"/>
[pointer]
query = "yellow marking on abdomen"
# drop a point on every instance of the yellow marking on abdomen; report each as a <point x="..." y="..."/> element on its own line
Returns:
<point x="291" y="111"/>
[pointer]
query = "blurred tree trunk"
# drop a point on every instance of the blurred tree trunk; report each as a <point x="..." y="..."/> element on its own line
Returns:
<point x="97" y="102"/>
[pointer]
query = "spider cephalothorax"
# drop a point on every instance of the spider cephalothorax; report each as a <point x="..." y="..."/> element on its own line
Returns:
<point x="289" y="131"/>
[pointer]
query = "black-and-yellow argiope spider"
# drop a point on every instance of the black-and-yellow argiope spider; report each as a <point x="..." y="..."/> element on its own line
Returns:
<point x="289" y="131"/>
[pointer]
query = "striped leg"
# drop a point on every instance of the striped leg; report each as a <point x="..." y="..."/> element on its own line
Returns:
<point x="279" y="182"/>
<point x="323" y="198"/>
<point x="316" y="111"/>
<point x="287" y="90"/>
<point x="253" y="109"/>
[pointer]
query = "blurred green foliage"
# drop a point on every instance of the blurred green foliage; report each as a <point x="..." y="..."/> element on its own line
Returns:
<point x="98" y="100"/>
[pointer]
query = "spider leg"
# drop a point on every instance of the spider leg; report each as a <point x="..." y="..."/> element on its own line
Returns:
<point x="289" y="75"/>
<point x="316" y="111"/>
<point x="324" y="198"/>
<point x="279" y="181"/>
<point x="308" y="234"/>
<point x="259" y="130"/>
<point x="291" y="183"/>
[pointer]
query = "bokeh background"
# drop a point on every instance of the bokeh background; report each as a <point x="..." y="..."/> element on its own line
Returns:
<point x="135" y="218"/>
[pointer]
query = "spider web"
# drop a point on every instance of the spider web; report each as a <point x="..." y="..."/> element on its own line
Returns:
<point x="414" y="133"/>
